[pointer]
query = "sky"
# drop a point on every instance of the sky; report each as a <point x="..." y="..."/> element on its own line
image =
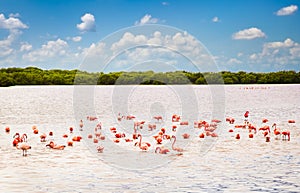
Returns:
<point x="124" y="35"/>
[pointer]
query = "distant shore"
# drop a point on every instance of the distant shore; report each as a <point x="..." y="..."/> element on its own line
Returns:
<point x="36" y="76"/>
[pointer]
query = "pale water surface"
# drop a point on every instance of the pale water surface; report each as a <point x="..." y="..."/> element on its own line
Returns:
<point x="207" y="165"/>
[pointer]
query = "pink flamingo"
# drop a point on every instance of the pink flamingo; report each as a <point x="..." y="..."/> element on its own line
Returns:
<point x="139" y="124"/>
<point x="130" y="117"/>
<point x="162" y="150"/>
<point x="151" y="126"/>
<point x="265" y="128"/>
<point x="143" y="146"/>
<point x="100" y="149"/>
<point x="276" y="130"/>
<point x="291" y="121"/>
<point x="158" y="118"/>
<point x="230" y="120"/>
<point x="175" y="118"/>
<point x="185" y="135"/>
<point x="43" y="137"/>
<point x="184" y="123"/>
<point x="24" y="147"/>
<point x="246" y="114"/>
<point x="176" y="148"/>
<point x="286" y="135"/>
<point x="54" y="146"/>
<point x="81" y="124"/>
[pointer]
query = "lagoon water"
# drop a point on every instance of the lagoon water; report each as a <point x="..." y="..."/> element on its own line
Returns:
<point x="207" y="165"/>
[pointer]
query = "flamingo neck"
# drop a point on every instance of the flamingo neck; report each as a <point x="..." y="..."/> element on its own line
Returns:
<point x="140" y="140"/>
<point x="173" y="142"/>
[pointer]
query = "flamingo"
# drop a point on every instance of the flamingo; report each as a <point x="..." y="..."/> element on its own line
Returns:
<point x="291" y="121"/>
<point x="246" y="114"/>
<point x="286" y="135"/>
<point x="102" y="137"/>
<point x="81" y="124"/>
<point x="185" y="135"/>
<point x="175" y="118"/>
<point x="265" y="128"/>
<point x="24" y="147"/>
<point x="7" y="129"/>
<point x="251" y="127"/>
<point x="230" y="120"/>
<point x="54" y="146"/>
<point x="143" y="146"/>
<point x="100" y="149"/>
<point x="184" y="123"/>
<point x="276" y="130"/>
<point x="161" y="150"/>
<point x="151" y="127"/>
<point x="158" y="118"/>
<point x="139" y="124"/>
<point x="130" y="117"/>
<point x="158" y="139"/>
<point x="201" y="135"/>
<point x="176" y="148"/>
<point x="43" y="137"/>
<point x="119" y="117"/>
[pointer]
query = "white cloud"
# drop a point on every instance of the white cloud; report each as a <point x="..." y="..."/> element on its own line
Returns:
<point x="147" y="19"/>
<point x="87" y="24"/>
<point x="287" y="10"/>
<point x="234" y="61"/>
<point x="278" y="54"/>
<point x="76" y="39"/>
<point x="215" y="19"/>
<point x="272" y="48"/>
<point x="179" y="48"/>
<point x="253" y="56"/>
<point x="127" y="40"/>
<point x="11" y="23"/>
<point x="165" y="3"/>
<point x="25" y="47"/>
<point x="14" y="26"/>
<point x="95" y="49"/>
<point x="248" y="34"/>
<point x="51" y="49"/>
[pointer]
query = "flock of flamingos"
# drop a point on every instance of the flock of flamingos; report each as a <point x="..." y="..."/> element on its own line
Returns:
<point x="206" y="129"/>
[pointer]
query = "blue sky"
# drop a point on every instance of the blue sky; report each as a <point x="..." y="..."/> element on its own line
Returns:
<point x="248" y="35"/>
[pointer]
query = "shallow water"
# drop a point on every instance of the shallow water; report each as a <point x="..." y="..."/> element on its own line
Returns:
<point x="207" y="165"/>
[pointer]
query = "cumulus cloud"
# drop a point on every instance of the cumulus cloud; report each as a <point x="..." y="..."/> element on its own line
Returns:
<point x="25" y="46"/>
<point x="287" y="10"/>
<point x="215" y="19"/>
<point x="248" y="34"/>
<point x="278" y="54"/>
<point x="179" y="48"/>
<point x="14" y="26"/>
<point x="11" y="23"/>
<point x="51" y="49"/>
<point x="87" y="24"/>
<point x="147" y="19"/>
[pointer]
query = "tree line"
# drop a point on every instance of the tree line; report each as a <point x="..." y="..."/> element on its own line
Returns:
<point x="36" y="76"/>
